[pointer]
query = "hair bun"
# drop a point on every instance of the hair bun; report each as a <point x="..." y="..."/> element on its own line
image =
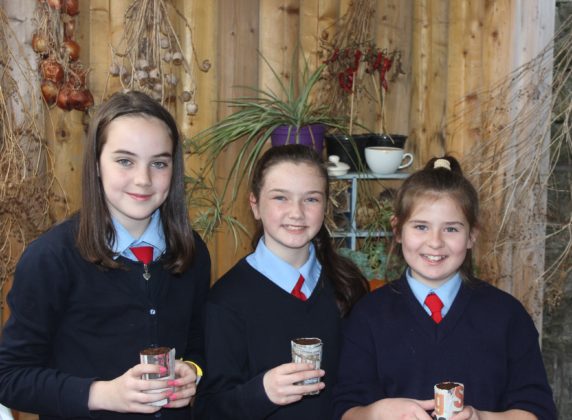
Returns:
<point x="442" y="163"/>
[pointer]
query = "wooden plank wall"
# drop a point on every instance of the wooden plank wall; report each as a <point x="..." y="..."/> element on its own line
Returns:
<point x="452" y="50"/>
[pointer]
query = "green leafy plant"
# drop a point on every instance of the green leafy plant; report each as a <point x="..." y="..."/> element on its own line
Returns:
<point x="375" y="257"/>
<point x="375" y="261"/>
<point x="208" y="210"/>
<point x="256" y="116"/>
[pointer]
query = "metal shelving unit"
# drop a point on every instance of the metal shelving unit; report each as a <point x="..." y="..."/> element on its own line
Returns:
<point x="355" y="177"/>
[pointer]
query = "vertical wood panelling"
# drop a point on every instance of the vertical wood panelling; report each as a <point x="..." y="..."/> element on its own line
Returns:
<point x="202" y="18"/>
<point x="435" y="101"/>
<point x="522" y="278"/>
<point x="309" y="31"/>
<point x="279" y="36"/>
<point x="99" y="26"/>
<point x="454" y="51"/>
<point x="465" y="76"/>
<point x="117" y="10"/>
<point x="419" y="66"/>
<point x="237" y="63"/>
<point x="394" y="31"/>
<point x="499" y="23"/>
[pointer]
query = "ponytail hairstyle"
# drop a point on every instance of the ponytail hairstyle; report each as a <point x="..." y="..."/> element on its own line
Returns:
<point x="348" y="281"/>
<point x="96" y="233"/>
<point x="440" y="177"/>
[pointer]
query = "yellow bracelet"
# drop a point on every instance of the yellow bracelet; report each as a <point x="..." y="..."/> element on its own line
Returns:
<point x="197" y="368"/>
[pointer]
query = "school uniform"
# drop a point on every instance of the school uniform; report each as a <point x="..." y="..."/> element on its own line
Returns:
<point x="73" y="322"/>
<point x="392" y="348"/>
<point x="250" y="321"/>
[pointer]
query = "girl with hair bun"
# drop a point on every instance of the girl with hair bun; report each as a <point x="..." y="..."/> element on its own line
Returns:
<point x="438" y="322"/>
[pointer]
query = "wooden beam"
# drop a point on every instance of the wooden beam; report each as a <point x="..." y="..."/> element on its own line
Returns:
<point x="238" y="37"/>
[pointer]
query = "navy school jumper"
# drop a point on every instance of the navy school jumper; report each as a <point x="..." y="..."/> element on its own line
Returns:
<point x="487" y="341"/>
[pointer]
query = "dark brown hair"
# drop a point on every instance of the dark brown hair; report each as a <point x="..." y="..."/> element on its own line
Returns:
<point x="348" y="281"/>
<point x="436" y="182"/>
<point x="96" y="232"/>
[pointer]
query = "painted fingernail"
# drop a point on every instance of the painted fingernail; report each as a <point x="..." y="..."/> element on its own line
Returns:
<point x="173" y="383"/>
<point x="162" y="369"/>
<point x="173" y="397"/>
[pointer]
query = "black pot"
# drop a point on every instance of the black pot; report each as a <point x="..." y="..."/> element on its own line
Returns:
<point x="350" y="149"/>
<point x="386" y="140"/>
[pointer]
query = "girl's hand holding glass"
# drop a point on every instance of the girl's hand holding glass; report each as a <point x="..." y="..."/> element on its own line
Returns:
<point x="280" y="382"/>
<point x="128" y="393"/>
<point x="184" y="385"/>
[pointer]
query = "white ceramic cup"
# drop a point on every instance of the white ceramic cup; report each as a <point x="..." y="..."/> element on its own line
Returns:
<point x="387" y="160"/>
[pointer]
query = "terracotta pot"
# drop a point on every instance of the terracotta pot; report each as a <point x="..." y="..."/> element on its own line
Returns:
<point x="376" y="283"/>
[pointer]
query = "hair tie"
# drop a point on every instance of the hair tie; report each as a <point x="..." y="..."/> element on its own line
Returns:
<point x="442" y="163"/>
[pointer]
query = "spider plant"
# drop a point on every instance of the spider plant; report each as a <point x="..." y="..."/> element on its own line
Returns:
<point x="257" y="115"/>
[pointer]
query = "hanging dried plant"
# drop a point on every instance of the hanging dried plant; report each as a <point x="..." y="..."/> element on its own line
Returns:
<point x="150" y="57"/>
<point x="516" y="161"/>
<point x="356" y="68"/>
<point x="63" y="75"/>
<point x="25" y="168"/>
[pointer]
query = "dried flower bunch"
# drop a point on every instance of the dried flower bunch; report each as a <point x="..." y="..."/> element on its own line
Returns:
<point x="365" y="70"/>
<point x="367" y="58"/>
<point x="356" y="68"/>
<point x="151" y="55"/>
<point x="63" y="75"/>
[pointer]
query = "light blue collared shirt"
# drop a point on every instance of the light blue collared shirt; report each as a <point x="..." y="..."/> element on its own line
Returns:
<point x="153" y="236"/>
<point x="283" y="274"/>
<point x="447" y="292"/>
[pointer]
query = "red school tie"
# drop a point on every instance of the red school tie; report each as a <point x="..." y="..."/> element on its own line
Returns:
<point x="434" y="304"/>
<point x="145" y="255"/>
<point x="297" y="290"/>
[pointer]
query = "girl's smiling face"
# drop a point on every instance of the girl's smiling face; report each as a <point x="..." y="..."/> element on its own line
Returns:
<point x="435" y="240"/>
<point x="135" y="167"/>
<point x="291" y="208"/>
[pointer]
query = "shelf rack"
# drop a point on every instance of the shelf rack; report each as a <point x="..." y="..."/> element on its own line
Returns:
<point x="354" y="177"/>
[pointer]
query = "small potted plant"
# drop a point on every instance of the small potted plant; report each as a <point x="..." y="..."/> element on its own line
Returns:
<point x="264" y="114"/>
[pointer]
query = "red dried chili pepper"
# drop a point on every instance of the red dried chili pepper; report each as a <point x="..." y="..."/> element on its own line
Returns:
<point x="346" y="80"/>
<point x="357" y="57"/>
<point x="387" y="62"/>
<point x="334" y="56"/>
<point x="378" y="59"/>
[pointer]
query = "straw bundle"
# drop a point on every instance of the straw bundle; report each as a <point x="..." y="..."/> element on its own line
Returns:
<point x="515" y="164"/>
<point x="25" y="169"/>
